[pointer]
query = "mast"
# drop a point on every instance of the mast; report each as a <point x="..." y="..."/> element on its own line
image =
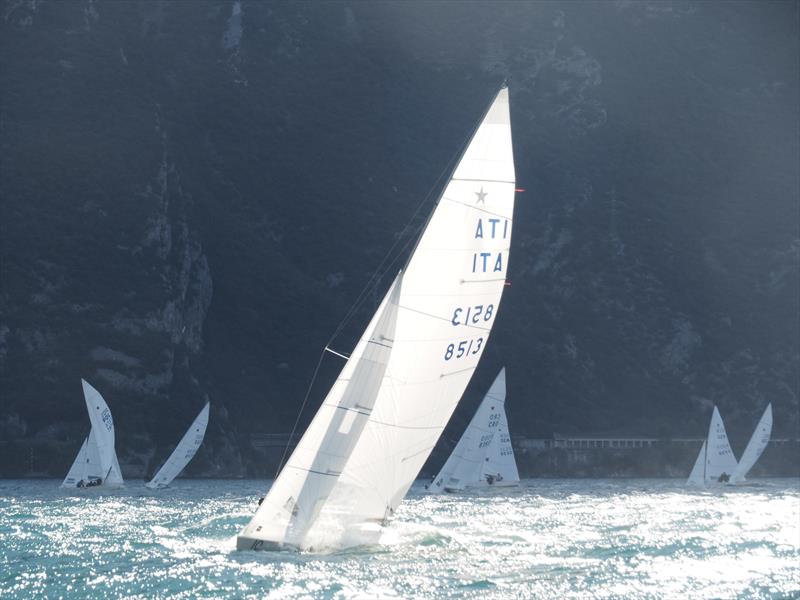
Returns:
<point x="705" y="461"/>
<point x="452" y="289"/>
<point x="395" y="394"/>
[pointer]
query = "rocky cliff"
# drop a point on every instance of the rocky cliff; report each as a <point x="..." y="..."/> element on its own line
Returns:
<point x="192" y="194"/>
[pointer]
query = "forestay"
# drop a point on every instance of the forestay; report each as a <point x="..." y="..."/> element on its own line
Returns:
<point x="755" y="447"/>
<point x="303" y="486"/>
<point x="449" y="301"/>
<point x="365" y="446"/>
<point x="184" y="451"/>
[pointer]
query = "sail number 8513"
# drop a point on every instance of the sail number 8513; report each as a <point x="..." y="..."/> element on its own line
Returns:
<point x="463" y="348"/>
<point x="472" y="315"/>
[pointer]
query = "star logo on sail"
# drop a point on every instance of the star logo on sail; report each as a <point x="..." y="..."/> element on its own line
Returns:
<point x="481" y="196"/>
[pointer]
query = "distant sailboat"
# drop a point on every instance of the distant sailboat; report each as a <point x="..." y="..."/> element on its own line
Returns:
<point x="399" y="387"/>
<point x="96" y="464"/>
<point x="716" y="462"/>
<point x="755" y="447"/>
<point x="183" y="453"/>
<point x="483" y="456"/>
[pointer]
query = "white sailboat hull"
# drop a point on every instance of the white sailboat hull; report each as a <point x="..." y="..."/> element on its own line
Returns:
<point x="482" y="486"/>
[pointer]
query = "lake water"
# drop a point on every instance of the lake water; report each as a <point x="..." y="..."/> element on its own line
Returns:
<point x="549" y="538"/>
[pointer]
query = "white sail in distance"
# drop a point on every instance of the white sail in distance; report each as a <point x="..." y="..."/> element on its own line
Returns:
<point x="441" y="314"/>
<point x="500" y="467"/>
<point x="183" y="453"/>
<point x="483" y="455"/>
<point x="755" y="447"/>
<point x="718" y="461"/>
<point x="96" y="463"/>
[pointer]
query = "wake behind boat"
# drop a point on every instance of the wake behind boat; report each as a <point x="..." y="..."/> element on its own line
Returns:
<point x="96" y="464"/>
<point x="384" y="414"/>
<point x="483" y="457"/>
<point x="183" y="453"/>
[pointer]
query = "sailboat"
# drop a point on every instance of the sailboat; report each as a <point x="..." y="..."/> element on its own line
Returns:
<point x="183" y="453"/>
<point x="483" y="456"/>
<point x="96" y="464"/>
<point x="716" y="462"/>
<point x="755" y="447"/>
<point x="398" y="388"/>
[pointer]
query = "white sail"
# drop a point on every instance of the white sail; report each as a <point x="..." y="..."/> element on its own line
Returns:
<point x="441" y="314"/>
<point x="755" y="447"/>
<point x="80" y="467"/>
<point x="294" y="500"/>
<point x="697" y="476"/>
<point x="500" y="467"/>
<point x="482" y="454"/>
<point x="183" y="453"/>
<point x="449" y="301"/>
<point x="720" y="461"/>
<point x="97" y="459"/>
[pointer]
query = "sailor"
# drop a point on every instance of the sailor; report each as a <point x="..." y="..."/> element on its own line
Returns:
<point x="260" y="500"/>
<point x="724" y="478"/>
<point x="489" y="479"/>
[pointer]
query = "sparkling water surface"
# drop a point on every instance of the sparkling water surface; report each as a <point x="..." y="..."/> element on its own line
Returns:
<point x="566" y="538"/>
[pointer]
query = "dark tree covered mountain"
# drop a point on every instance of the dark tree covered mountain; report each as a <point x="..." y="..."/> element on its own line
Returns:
<point x="193" y="194"/>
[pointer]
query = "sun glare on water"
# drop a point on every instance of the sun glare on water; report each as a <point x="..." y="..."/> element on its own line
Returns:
<point x="549" y="538"/>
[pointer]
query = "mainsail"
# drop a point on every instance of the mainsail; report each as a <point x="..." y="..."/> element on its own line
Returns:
<point x="500" y="467"/>
<point x="718" y="461"/>
<point x="483" y="455"/>
<point x="399" y="387"/>
<point x="755" y="447"/>
<point x="183" y="453"/>
<point x="96" y="463"/>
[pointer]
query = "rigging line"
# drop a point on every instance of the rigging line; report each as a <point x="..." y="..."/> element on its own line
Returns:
<point x="461" y="152"/>
<point x="339" y="354"/>
<point x="446" y="319"/>
<point x="381" y="271"/>
<point x="483" y="210"/>
<point x="299" y="414"/>
<point x="450" y="167"/>
<point x="383" y="267"/>
<point x="376" y="276"/>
